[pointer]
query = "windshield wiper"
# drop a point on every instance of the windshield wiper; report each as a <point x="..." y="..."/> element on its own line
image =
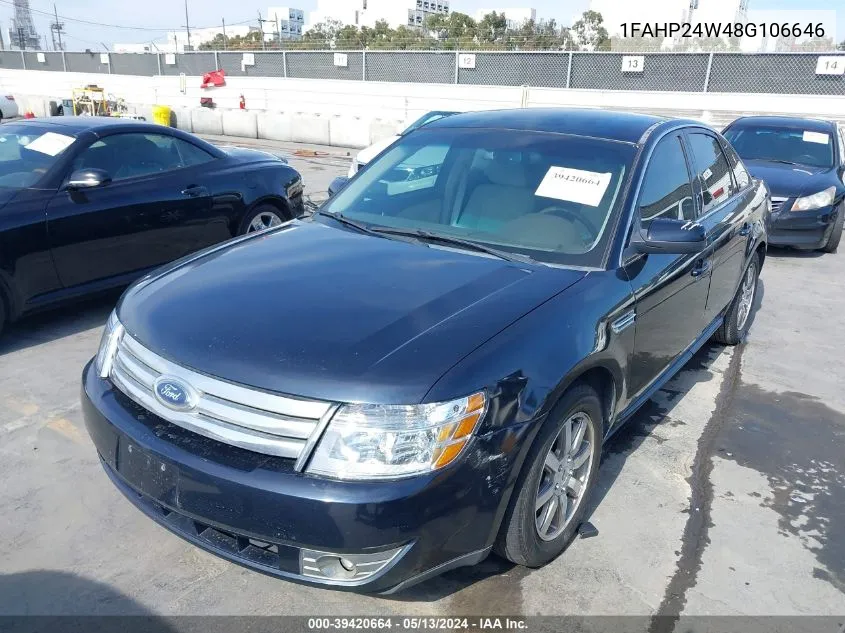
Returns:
<point x="781" y="161"/>
<point x="344" y="220"/>
<point x="456" y="241"/>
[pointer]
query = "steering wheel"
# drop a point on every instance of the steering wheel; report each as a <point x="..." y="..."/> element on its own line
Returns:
<point x="567" y="213"/>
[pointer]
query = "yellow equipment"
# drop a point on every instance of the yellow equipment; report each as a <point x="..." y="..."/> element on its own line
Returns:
<point x="90" y="101"/>
<point x="161" y="115"/>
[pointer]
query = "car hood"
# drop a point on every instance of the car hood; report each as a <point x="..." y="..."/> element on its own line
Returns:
<point x="323" y="312"/>
<point x="791" y="181"/>
<point x="369" y="153"/>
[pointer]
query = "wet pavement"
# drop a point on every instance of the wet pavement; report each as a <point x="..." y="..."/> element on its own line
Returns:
<point x="724" y="495"/>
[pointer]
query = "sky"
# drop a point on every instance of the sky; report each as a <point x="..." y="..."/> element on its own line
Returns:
<point x="150" y="19"/>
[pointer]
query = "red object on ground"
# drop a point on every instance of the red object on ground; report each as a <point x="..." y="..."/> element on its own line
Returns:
<point x="28" y="115"/>
<point x="242" y="103"/>
<point x="215" y="78"/>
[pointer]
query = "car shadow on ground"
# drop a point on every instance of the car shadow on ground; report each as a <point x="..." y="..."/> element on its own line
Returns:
<point x="57" y="323"/>
<point x="69" y="600"/>
<point x="787" y="252"/>
<point x="621" y="446"/>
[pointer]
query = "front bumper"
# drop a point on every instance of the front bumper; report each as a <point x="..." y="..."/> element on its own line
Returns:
<point x="257" y="511"/>
<point x="803" y="229"/>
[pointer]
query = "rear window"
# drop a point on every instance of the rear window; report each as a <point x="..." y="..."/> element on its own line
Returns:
<point x="783" y="144"/>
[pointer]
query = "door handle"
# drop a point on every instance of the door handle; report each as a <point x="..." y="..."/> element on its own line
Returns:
<point x="701" y="268"/>
<point x="195" y="191"/>
<point x="745" y="229"/>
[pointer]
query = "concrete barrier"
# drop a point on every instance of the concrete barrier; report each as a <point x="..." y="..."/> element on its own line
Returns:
<point x="274" y="126"/>
<point x="240" y="123"/>
<point x="307" y="128"/>
<point x="349" y="132"/>
<point x="183" y="119"/>
<point x="381" y="129"/>
<point x="206" y="121"/>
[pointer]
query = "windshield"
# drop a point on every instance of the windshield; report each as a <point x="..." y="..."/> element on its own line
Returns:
<point x="788" y="145"/>
<point x="27" y="152"/>
<point x="548" y="196"/>
<point x="425" y="120"/>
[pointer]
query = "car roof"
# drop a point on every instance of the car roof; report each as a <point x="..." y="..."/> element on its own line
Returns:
<point x="77" y="124"/>
<point x="811" y="125"/>
<point x="618" y="126"/>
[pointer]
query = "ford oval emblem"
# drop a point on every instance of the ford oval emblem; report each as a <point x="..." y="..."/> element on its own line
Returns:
<point x="174" y="394"/>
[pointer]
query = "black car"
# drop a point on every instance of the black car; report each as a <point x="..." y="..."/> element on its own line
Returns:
<point x="92" y="203"/>
<point x="803" y="163"/>
<point x="457" y="354"/>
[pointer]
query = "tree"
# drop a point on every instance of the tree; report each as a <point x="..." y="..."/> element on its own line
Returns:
<point x="590" y="33"/>
<point x="493" y="27"/>
<point x="841" y="46"/>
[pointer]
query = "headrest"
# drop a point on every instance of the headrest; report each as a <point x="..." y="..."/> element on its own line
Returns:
<point x="503" y="170"/>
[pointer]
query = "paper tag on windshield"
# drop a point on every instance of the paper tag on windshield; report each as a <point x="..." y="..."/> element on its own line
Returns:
<point x="816" y="137"/>
<point x="574" y="185"/>
<point x="51" y="143"/>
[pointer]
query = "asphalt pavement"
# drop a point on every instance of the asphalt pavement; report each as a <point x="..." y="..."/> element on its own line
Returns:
<point x="725" y="495"/>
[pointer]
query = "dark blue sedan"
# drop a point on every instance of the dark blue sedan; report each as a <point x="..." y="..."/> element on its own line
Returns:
<point x="426" y="369"/>
<point x="803" y="163"/>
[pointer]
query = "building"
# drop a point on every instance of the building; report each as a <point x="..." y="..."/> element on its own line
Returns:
<point x="409" y="13"/>
<point x="203" y="36"/>
<point x="516" y="17"/>
<point x="283" y="23"/>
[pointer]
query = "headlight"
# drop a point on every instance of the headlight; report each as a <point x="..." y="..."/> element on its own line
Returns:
<point x="108" y="345"/>
<point x="816" y="201"/>
<point x="367" y="441"/>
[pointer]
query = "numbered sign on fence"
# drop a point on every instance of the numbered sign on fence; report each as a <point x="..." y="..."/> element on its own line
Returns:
<point x="42" y="58"/>
<point x="341" y="59"/>
<point x="248" y="59"/>
<point x="104" y="58"/>
<point x="170" y="59"/>
<point x="831" y="65"/>
<point x="633" y="63"/>
<point x="466" y="60"/>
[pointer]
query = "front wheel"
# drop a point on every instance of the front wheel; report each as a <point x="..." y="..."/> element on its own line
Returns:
<point x="835" y="236"/>
<point x="559" y="473"/>
<point x="738" y="318"/>
<point x="261" y="218"/>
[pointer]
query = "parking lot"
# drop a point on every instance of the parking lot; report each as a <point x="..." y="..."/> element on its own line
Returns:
<point x="724" y="495"/>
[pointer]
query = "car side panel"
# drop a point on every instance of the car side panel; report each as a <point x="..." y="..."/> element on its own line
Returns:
<point x="26" y="265"/>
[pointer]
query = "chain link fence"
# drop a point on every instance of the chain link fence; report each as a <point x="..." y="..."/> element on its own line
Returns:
<point x="771" y="73"/>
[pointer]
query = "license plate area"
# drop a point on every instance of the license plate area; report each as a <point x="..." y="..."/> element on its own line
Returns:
<point x="147" y="474"/>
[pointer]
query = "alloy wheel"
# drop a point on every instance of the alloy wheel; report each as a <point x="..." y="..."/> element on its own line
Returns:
<point x="746" y="296"/>
<point x="263" y="221"/>
<point x="563" y="482"/>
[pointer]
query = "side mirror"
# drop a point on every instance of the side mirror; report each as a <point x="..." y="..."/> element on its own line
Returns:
<point x="676" y="237"/>
<point x="88" y="179"/>
<point x="336" y="185"/>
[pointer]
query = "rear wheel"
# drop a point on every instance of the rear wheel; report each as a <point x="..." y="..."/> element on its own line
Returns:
<point x="836" y="233"/>
<point x="263" y="217"/>
<point x="738" y="318"/>
<point x="560" y="472"/>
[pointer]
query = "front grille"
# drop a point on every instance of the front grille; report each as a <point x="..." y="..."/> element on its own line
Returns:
<point x="777" y="204"/>
<point x="240" y="416"/>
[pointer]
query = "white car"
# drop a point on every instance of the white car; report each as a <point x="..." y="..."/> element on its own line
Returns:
<point x="8" y="107"/>
<point x="369" y="153"/>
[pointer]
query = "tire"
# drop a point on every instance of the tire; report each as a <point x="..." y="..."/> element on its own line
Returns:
<point x="266" y="214"/>
<point x="519" y="538"/>
<point x="738" y="317"/>
<point x="836" y="233"/>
